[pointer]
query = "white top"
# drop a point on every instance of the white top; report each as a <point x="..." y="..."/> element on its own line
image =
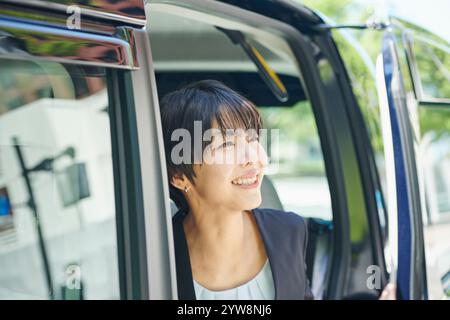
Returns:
<point x="261" y="287"/>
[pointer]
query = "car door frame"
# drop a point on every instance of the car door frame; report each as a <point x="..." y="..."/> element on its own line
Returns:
<point x="406" y="206"/>
<point x="369" y="176"/>
<point x="133" y="210"/>
<point x="335" y="130"/>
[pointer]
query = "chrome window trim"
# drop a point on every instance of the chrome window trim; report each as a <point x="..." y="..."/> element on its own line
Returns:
<point x="100" y="12"/>
<point x="408" y="39"/>
<point x="391" y="249"/>
<point x="15" y="36"/>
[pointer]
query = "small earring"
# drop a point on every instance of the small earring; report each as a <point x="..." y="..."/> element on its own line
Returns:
<point x="186" y="188"/>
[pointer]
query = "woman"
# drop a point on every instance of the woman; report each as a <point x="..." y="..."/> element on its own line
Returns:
<point x="225" y="246"/>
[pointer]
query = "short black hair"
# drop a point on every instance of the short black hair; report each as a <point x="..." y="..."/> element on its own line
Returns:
<point x="206" y="101"/>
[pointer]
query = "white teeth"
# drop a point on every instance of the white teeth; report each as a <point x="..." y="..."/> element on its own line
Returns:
<point x="246" y="181"/>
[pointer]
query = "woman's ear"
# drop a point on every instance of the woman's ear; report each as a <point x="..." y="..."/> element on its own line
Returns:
<point x="179" y="181"/>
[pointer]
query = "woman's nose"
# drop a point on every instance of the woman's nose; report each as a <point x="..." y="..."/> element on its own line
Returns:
<point x="254" y="153"/>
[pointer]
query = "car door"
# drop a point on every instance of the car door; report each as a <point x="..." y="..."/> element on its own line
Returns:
<point x="80" y="198"/>
<point x="403" y="182"/>
<point x="428" y="69"/>
<point x="357" y="242"/>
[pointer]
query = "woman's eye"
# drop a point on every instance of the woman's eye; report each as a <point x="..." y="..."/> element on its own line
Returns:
<point x="254" y="138"/>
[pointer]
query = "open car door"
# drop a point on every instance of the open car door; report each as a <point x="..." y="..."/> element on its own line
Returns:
<point x="401" y="139"/>
<point x="413" y="80"/>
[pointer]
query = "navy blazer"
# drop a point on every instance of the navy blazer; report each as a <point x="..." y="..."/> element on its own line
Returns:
<point x="285" y="237"/>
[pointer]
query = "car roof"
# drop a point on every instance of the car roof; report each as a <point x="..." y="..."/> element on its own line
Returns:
<point x="130" y="12"/>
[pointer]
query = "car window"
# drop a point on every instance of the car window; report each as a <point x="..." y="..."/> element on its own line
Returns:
<point x="299" y="176"/>
<point x="434" y="152"/>
<point x="57" y="209"/>
<point x="427" y="77"/>
<point x="364" y="88"/>
<point x="430" y="63"/>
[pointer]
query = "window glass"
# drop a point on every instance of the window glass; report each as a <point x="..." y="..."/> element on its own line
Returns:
<point x="299" y="177"/>
<point x="434" y="153"/>
<point x="364" y="88"/>
<point x="431" y="127"/>
<point x="57" y="209"/>
<point x="433" y="68"/>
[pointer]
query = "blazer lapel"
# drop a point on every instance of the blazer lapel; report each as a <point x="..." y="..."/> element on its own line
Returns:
<point x="185" y="283"/>
<point x="282" y="248"/>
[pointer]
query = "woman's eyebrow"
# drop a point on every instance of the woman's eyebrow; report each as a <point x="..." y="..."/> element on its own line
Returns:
<point x="226" y="133"/>
<point x="219" y="137"/>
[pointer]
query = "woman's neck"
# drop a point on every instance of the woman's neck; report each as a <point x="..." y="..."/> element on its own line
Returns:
<point x="216" y="234"/>
<point x="225" y="247"/>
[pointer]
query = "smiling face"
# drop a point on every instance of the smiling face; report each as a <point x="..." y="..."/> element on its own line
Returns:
<point x="232" y="163"/>
<point x="231" y="174"/>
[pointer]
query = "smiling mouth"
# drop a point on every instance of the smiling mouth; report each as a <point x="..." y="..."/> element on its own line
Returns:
<point x="247" y="182"/>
